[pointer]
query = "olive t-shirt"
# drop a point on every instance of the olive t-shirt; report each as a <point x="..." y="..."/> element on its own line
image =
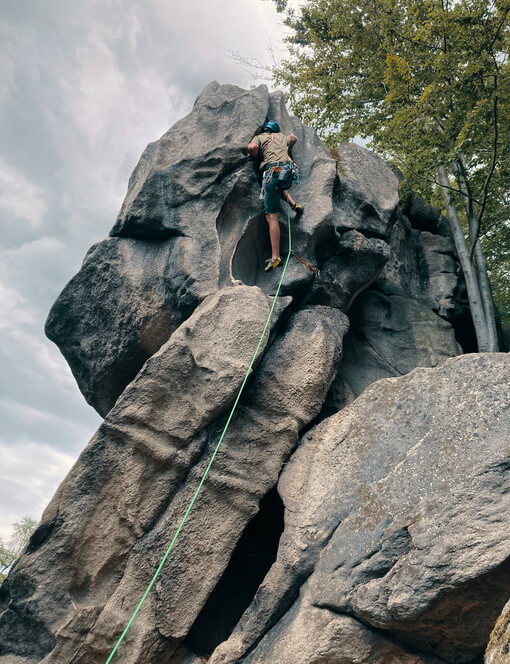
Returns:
<point x="272" y="148"/>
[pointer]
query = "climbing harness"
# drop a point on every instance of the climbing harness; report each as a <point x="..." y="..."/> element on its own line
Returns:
<point x="288" y="171"/>
<point x="248" y="373"/>
<point x="267" y="177"/>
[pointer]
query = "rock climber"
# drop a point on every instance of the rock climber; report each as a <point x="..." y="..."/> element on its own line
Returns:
<point x="271" y="146"/>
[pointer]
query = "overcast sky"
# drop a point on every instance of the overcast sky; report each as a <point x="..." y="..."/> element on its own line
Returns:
<point x="84" y="87"/>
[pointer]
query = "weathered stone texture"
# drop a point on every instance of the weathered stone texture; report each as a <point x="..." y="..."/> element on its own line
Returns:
<point x="404" y="524"/>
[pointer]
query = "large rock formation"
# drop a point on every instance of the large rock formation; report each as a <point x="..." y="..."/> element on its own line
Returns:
<point x="345" y="518"/>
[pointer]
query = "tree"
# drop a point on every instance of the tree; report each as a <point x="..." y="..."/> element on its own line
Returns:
<point x="10" y="552"/>
<point x="427" y="82"/>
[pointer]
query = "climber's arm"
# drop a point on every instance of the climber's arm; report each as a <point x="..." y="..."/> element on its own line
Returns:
<point x="253" y="149"/>
<point x="291" y="139"/>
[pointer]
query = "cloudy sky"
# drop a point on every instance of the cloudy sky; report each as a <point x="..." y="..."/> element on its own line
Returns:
<point x="84" y="87"/>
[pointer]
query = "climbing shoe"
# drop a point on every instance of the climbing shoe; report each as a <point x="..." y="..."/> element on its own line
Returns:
<point x="271" y="264"/>
<point x="298" y="209"/>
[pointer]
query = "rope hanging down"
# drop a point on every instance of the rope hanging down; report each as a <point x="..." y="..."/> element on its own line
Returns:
<point x="156" y="574"/>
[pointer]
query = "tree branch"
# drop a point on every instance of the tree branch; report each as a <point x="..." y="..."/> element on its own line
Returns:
<point x="464" y="185"/>
<point x="438" y="184"/>
<point x="498" y="29"/>
<point x="476" y="230"/>
<point x="457" y="191"/>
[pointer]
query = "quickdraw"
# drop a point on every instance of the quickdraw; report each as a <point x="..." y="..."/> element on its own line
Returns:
<point x="268" y="175"/>
<point x="307" y="265"/>
<point x="295" y="171"/>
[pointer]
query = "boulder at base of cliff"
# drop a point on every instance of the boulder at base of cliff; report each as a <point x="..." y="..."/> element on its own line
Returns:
<point x="402" y="540"/>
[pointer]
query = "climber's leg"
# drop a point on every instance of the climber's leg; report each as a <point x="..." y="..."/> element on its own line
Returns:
<point x="295" y="206"/>
<point x="271" y="208"/>
<point x="274" y="233"/>
<point x="287" y="197"/>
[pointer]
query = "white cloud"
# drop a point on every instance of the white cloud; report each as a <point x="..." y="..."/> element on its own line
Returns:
<point x="42" y="357"/>
<point x="43" y="245"/>
<point x="14" y="308"/>
<point x="38" y="418"/>
<point x="18" y="309"/>
<point x="20" y="198"/>
<point x="29" y="475"/>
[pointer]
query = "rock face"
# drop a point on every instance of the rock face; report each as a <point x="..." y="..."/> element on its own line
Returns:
<point x="498" y="648"/>
<point x="414" y="311"/>
<point x="404" y="526"/>
<point x="191" y="223"/>
<point x="117" y="312"/>
<point x="345" y="518"/>
<point x="159" y="443"/>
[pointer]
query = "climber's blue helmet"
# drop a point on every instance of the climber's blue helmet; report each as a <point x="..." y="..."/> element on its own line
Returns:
<point x="271" y="125"/>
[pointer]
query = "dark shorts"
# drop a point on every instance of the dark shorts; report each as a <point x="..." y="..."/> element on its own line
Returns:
<point x="272" y="195"/>
<point x="272" y="192"/>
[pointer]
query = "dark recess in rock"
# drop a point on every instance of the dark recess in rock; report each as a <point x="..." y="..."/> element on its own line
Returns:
<point x="41" y="534"/>
<point x="465" y="333"/>
<point x="505" y="337"/>
<point x="252" y="558"/>
<point x="424" y="217"/>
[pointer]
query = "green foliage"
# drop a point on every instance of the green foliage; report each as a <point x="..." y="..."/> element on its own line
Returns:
<point x="6" y="560"/>
<point x="496" y="244"/>
<point x="11" y="551"/>
<point x="427" y="82"/>
<point x="281" y="5"/>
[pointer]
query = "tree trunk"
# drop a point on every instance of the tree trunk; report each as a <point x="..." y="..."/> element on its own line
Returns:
<point x="488" y="302"/>
<point x="473" y="290"/>
<point x="481" y="264"/>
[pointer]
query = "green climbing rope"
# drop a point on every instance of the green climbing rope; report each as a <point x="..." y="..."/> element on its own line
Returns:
<point x="156" y="574"/>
